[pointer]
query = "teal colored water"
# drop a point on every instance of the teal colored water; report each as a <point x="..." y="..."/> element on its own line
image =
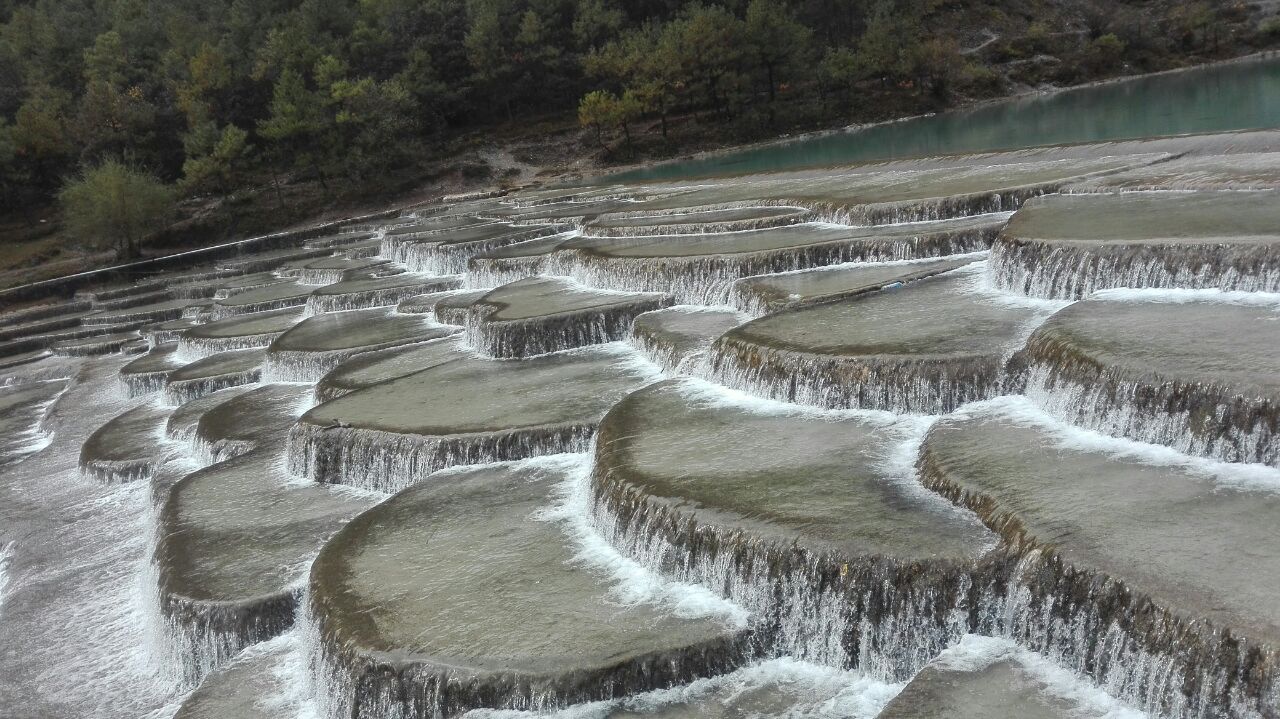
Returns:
<point x="1232" y="96"/>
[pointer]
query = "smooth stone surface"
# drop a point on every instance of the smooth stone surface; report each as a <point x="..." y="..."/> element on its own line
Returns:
<point x="401" y="584"/>
<point x="125" y="448"/>
<point x="356" y="329"/>
<point x="1067" y="246"/>
<point x="148" y="372"/>
<point x="371" y="291"/>
<point x="781" y="474"/>
<point x="1203" y="377"/>
<point x="772" y="240"/>
<point x="269" y="297"/>
<point x="926" y="347"/>
<point x="94" y="345"/>
<point x="184" y="419"/>
<point x="464" y="411"/>
<point x="229" y="286"/>
<point x="983" y="678"/>
<point x="1161" y="528"/>
<point x="251" y="330"/>
<point x="156" y="312"/>
<point x="766" y="294"/>
<point x="425" y="303"/>
<point x="217" y="371"/>
<point x="452" y="308"/>
<point x="903" y="190"/>
<point x="376" y="366"/>
<point x="539" y="297"/>
<point x="236" y="532"/>
<point x="549" y="314"/>
<point x="674" y="335"/>
<point x="469" y="395"/>
<point x="690" y="221"/>
<point x="260" y="417"/>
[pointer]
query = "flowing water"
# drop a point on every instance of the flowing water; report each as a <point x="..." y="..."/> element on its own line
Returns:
<point x="965" y="436"/>
<point x="1234" y="96"/>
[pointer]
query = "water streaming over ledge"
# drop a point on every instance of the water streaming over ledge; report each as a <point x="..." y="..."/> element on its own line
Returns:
<point x="836" y="528"/>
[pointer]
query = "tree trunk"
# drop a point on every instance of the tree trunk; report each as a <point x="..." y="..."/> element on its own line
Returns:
<point x="315" y="165"/>
<point x="275" y="181"/>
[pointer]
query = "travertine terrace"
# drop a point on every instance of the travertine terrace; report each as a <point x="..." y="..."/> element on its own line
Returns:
<point x="968" y="436"/>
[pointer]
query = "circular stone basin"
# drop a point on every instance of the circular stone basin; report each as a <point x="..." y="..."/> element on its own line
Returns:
<point x="464" y="411"/>
<point x="696" y="220"/>
<point x="163" y="332"/>
<point x="452" y="308"/>
<point x="212" y="373"/>
<point x="549" y="314"/>
<point x="670" y="336"/>
<point x="702" y="268"/>
<point x="766" y="294"/>
<point x="376" y="366"/>
<point x="261" y="299"/>
<point x="1159" y="526"/>
<point x="1068" y="246"/>
<point x="238" y="332"/>
<point x="1202" y="377"/>
<point x="184" y="420"/>
<point x="417" y="597"/>
<point x="335" y="269"/>
<point x="787" y="241"/>
<point x="765" y="474"/>
<point x="149" y="372"/>
<point x="235" y="539"/>
<point x="228" y="286"/>
<point x="984" y="677"/>
<point x="317" y="344"/>
<point x="124" y="449"/>
<point x="448" y="252"/>
<point x="364" y="292"/>
<point x="157" y="312"/>
<point x="96" y="345"/>
<point x="927" y="347"/>
<point x="431" y="226"/>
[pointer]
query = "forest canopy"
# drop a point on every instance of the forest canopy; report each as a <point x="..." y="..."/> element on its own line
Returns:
<point x="210" y="95"/>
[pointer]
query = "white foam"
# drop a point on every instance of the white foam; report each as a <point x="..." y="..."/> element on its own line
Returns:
<point x="975" y="653"/>
<point x="1269" y="300"/>
<point x="1022" y="410"/>
<point x="633" y="583"/>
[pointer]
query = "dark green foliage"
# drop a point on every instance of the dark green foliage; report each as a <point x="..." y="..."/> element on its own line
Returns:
<point x="216" y="96"/>
<point x="115" y="205"/>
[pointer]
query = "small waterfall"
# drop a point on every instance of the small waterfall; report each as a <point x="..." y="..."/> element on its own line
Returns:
<point x="1073" y="271"/>
<point x="905" y="385"/>
<point x="178" y="393"/>
<point x="389" y="462"/>
<point x="709" y="279"/>
<point x="137" y="384"/>
<point x="554" y="332"/>
<point x="192" y="348"/>
<point x="377" y="297"/>
<point x="1192" y="417"/>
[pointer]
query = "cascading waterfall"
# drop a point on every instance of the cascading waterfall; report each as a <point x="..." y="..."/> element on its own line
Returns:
<point x="1064" y="271"/>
